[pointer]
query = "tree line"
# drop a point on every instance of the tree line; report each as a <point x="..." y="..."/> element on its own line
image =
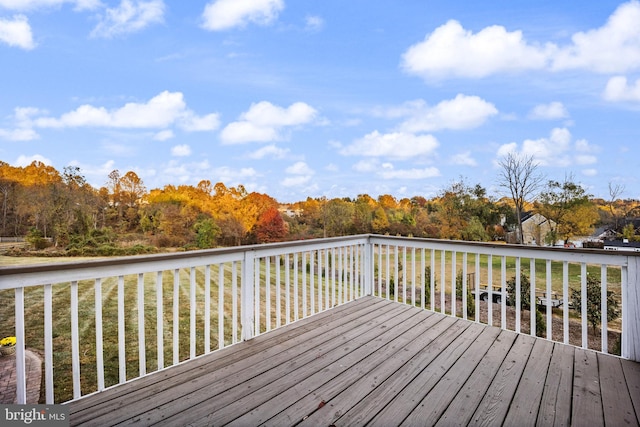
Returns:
<point x="61" y="210"/>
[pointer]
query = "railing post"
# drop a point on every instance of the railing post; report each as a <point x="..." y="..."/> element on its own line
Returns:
<point x="247" y="302"/>
<point x="368" y="268"/>
<point x="631" y="310"/>
<point x="21" y="377"/>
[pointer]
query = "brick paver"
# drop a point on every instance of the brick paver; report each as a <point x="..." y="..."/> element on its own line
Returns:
<point x="33" y="365"/>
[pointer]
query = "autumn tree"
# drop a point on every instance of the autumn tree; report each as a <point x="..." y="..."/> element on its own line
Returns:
<point x="567" y="204"/>
<point x="338" y="216"/>
<point x="519" y="176"/>
<point x="270" y="226"/>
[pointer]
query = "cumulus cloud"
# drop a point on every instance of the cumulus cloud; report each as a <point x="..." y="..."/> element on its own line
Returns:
<point x="164" y="135"/>
<point x="299" y="168"/>
<point x="263" y="122"/>
<point x="18" y="134"/>
<point x="559" y="150"/>
<point x="462" y="112"/>
<point x="161" y="111"/>
<point x="618" y="89"/>
<point x="386" y="170"/>
<point x="25" y="5"/>
<point x="16" y="32"/>
<point x="464" y="159"/>
<point x="129" y="17"/>
<point x="612" y="48"/>
<point x="299" y="174"/>
<point x="404" y="174"/>
<point x="226" y="14"/>
<point x="452" y="51"/>
<point x="551" y="111"/>
<point x="181" y="150"/>
<point x="269" y="150"/>
<point x="397" y="145"/>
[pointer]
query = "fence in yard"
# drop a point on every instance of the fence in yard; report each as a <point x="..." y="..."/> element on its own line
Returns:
<point x="104" y="322"/>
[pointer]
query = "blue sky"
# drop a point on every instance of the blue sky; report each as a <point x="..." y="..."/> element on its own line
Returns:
<point x="323" y="98"/>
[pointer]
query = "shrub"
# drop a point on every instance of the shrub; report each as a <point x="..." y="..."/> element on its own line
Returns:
<point x="525" y="300"/>
<point x="594" y="298"/>
<point x="471" y="303"/>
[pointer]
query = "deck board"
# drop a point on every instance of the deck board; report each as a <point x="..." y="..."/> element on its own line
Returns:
<point x="377" y="362"/>
<point x="616" y="401"/>
<point x="523" y="410"/>
<point x="555" y="408"/>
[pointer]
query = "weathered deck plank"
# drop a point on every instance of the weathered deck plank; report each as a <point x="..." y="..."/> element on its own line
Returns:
<point x="555" y="408"/>
<point x="377" y="362"/>
<point x="461" y="409"/>
<point x="244" y="376"/>
<point x="492" y="409"/>
<point x="313" y="393"/>
<point x="587" y="400"/>
<point x="616" y="401"/>
<point x="632" y="376"/>
<point x="523" y="410"/>
<point x="193" y="369"/>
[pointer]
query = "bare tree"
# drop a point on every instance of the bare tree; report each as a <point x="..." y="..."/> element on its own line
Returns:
<point x="519" y="175"/>
<point x="615" y="190"/>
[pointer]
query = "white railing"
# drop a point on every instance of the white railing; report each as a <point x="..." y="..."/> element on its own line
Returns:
<point x="104" y="322"/>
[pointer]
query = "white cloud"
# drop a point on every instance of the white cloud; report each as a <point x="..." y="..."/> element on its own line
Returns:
<point x="192" y="123"/>
<point x="556" y="150"/>
<point x="18" y="134"/>
<point x="590" y="172"/>
<point x="295" y="181"/>
<point x="464" y="159"/>
<point x="366" y="165"/>
<point x="462" y="112"/>
<point x="161" y="111"/>
<point x="452" y="51"/>
<point x="313" y="23"/>
<point x="164" y="135"/>
<point x="551" y="111"/>
<point x="130" y="16"/>
<point x="398" y="145"/>
<point x="612" y="48"/>
<point x="269" y="150"/>
<point x="181" y="150"/>
<point x="425" y="173"/>
<point x="299" y="168"/>
<point x="16" y="32"/>
<point x="25" y="5"/>
<point x="618" y="89"/>
<point x="301" y="175"/>
<point x="264" y="121"/>
<point x="23" y="161"/>
<point x="226" y="14"/>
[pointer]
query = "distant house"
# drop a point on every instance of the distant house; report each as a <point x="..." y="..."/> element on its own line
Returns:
<point x="622" y="245"/>
<point x="535" y="228"/>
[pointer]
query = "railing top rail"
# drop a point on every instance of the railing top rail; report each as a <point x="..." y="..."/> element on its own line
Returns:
<point x="29" y="275"/>
<point x="539" y="252"/>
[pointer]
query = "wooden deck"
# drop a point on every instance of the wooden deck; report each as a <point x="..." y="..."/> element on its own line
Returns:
<point x="379" y="363"/>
